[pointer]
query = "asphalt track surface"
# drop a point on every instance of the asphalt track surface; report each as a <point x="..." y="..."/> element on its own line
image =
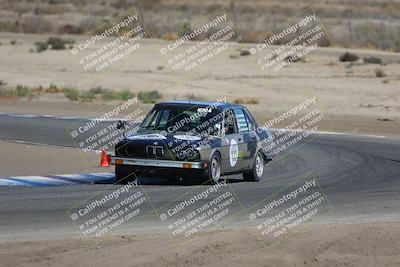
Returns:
<point x="360" y="176"/>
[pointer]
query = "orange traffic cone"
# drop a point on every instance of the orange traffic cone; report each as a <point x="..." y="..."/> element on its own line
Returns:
<point x="105" y="160"/>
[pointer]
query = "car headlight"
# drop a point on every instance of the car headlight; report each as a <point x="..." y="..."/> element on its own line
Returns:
<point x="180" y="155"/>
<point x="188" y="154"/>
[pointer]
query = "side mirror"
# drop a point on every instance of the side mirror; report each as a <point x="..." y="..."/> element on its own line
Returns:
<point x="121" y="125"/>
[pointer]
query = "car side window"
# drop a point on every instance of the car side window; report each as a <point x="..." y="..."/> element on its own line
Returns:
<point x="165" y="115"/>
<point x="250" y="120"/>
<point x="241" y="120"/>
<point x="229" y="122"/>
<point x="153" y="119"/>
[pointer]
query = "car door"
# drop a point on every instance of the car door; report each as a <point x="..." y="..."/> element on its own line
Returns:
<point x="231" y="144"/>
<point x="246" y="127"/>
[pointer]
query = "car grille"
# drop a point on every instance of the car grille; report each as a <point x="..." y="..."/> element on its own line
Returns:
<point x="148" y="152"/>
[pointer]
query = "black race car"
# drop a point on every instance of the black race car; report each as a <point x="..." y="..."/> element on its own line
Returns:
<point x="186" y="139"/>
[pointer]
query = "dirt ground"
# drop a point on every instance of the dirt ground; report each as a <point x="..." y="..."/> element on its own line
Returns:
<point x="358" y="244"/>
<point x="340" y="88"/>
<point x="350" y="95"/>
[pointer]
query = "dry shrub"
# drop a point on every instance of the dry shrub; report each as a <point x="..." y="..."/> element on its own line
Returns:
<point x="390" y="8"/>
<point x="374" y="35"/>
<point x="253" y="36"/>
<point x="52" y="9"/>
<point x="324" y="41"/>
<point x="213" y="7"/>
<point x="194" y="97"/>
<point x="69" y="29"/>
<point x="331" y="64"/>
<point x="30" y="24"/>
<point x="23" y="7"/>
<point x="149" y="97"/>
<point x="374" y="26"/>
<point x="71" y="93"/>
<point x="246" y="101"/>
<point x="348" y="57"/>
<point x="244" y="8"/>
<point x="53" y="89"/>
<point x="120" y="4"/>
<point x="380" y="73"/>
<point x="170" y="36"/>
<point x="9" y="26"/>
<point x="245" y="52"/>
<point x="372" y="60"/>
<point x="147" y="4"/>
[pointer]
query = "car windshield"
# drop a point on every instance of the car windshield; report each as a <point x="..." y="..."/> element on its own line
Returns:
<point x="196" y="120"/>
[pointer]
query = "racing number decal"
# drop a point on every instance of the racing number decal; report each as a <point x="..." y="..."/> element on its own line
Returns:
<point x="233" y="152"/>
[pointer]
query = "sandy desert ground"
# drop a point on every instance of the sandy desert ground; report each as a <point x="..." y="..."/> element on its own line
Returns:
<point x="335" y="244"/>
<point x="351" y="96"/>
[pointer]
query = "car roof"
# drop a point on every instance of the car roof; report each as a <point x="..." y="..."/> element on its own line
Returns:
<point x="221" y="105"/>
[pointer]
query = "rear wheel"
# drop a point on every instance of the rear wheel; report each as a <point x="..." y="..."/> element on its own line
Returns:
<point x="124" y="174"/>
<point x="257" y="171"/>
<point x="214" y="169"/>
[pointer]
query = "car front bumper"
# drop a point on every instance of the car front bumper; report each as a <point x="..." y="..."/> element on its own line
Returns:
<point x="158" y="163"/>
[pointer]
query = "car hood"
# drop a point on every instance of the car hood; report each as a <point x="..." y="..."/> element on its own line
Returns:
<point x="168" y="140"/>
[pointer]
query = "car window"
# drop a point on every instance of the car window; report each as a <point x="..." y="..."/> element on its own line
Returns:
<point x="150" y="119"/>
<point x="241" y="120"/>
<point x="250" y="120"/>
<point x="164" y="118"/>
<point x="229" y="122"/>
<point x="189" y="119"/>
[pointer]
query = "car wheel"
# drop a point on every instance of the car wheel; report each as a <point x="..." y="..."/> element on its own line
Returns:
<point x="257" y="171"/>
<point x="124" y="174"/>
<point x="214" y="169"/>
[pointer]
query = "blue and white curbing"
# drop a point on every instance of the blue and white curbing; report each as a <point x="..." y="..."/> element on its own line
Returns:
<point x="58" y="180"/>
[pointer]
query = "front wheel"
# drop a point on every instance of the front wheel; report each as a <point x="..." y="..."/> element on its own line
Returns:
<point x="124" y="174"/>
<point x="257" y="171"/>
<point x="214" y="169"/>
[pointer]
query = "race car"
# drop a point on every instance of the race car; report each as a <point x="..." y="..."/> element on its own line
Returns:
<point x="186" y="139"/>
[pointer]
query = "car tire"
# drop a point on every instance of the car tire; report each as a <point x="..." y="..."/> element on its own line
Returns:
<point x="213" y="173"/>
<point x="257" y="170"/>
<point x="124" y="174"/>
